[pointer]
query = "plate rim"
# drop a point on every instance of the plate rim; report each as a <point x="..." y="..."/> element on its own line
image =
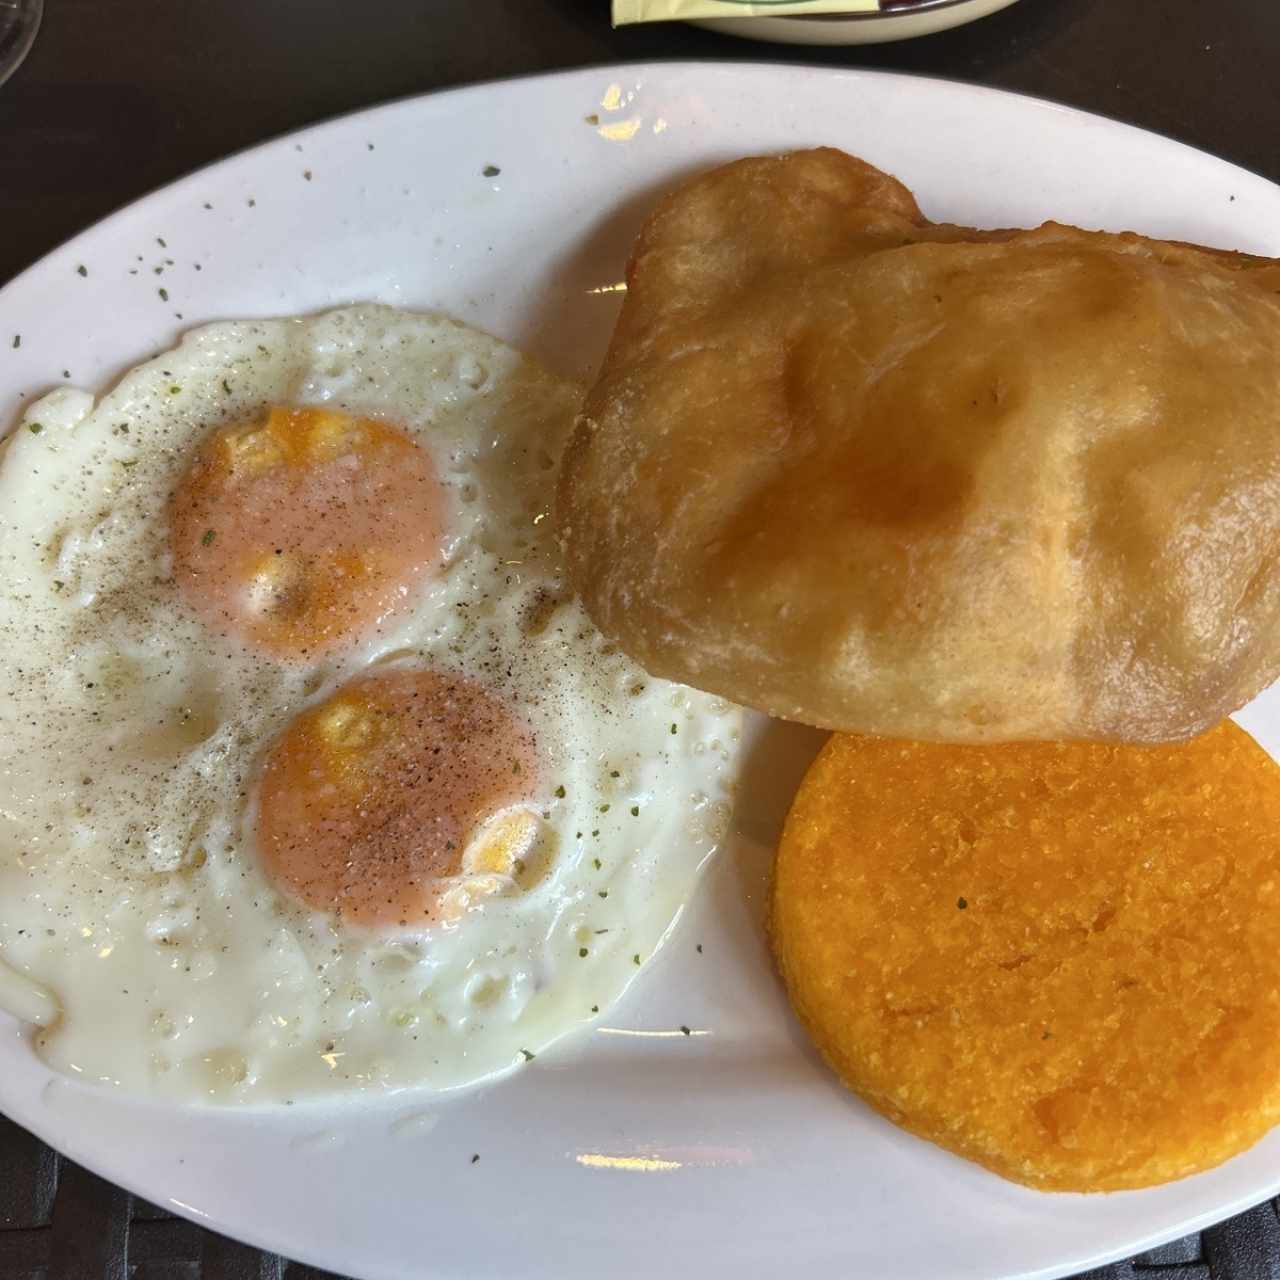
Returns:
<point x="643" y="66"/>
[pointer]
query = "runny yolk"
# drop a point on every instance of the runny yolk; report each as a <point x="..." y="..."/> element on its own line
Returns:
<point x="300" y="532"/>
<point x="399" y="798"/>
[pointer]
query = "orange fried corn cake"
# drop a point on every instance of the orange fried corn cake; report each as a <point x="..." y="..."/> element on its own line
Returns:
<point x="1061" y="960"/>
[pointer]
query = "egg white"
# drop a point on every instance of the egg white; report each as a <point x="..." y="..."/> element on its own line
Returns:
<point x="135" y="922"/>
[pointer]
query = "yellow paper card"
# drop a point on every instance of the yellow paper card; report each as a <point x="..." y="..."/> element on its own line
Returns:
<point x="672" y="10"/>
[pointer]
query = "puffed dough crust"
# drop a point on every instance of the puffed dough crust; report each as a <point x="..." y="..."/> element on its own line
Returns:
<point x="878" y="474"/>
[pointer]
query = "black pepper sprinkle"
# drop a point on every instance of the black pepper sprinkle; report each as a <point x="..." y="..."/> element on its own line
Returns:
<point x="685" y="1030"/>
<point x="82" y="270"/>
<point x="17" y="341"/>
<point x="699" y="948"/>
<point x="475" y="1158"/>
<point x="207" y="205"/>
<point x="226" y="386"/>
<point x="528" y="1057"/>
<point x="491" y="171"/>
<point x="306" y="173"/>
<point x="961" y="903"/>
<point x="613" y="773"/>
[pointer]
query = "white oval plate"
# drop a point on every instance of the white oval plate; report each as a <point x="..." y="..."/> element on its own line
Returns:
<point x="632" y="1147"/>
<point x="858" y="28"/>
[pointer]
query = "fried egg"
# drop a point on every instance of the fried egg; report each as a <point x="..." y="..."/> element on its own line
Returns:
<point x="314" y="776"/>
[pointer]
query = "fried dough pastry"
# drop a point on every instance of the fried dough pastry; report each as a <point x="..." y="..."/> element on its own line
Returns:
<point x="1056" y="959"/>
<point x="860" y="470"/>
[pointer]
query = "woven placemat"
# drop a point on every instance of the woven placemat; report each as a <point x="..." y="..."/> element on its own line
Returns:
<point x="60" y="1222"/>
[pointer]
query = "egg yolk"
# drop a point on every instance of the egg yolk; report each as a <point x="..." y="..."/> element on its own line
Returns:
<point x="300" y="532"/>
<point x="399" y="799"/>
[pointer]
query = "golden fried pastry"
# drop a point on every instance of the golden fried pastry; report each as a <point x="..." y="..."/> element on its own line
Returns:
<point x="880" y="475"/>
<point x="1056" y="959"/>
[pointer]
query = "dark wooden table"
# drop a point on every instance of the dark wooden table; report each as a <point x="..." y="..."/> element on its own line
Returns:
<point x="120" y="96"/>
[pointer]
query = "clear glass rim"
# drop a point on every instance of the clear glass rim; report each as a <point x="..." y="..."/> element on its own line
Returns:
<point x="19" y="22"/>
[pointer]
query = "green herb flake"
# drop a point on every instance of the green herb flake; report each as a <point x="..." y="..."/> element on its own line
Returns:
<point x="604" y="808"/>
<point x="635" y="810"/>
<point x="961" y="903"/>
<point x="82" y="270"/>
<point x="582" y="951"/>
<point x="164" y="294"/>
<point x="173" y="390"/>
<point x="595" y="1008"/>
<point x="528" y="1057"/>
<point x="602" y="893"/>
<point x="515" y="767"/>
<point x="613" y="773"/>
<point x="595" y="833"/>
<point x="128" y="463"/>
<point x="598" y="863"/>
<point x="635" y="959"/>
<point x="674" y="729"/>
<point x="560" y="792"/>
<point x="57" y="586"/>
<point x="685" y="1030"/>
<point x="207" y="539"/>
<point x="35" y="427"/>
<point x="491" y="171"/>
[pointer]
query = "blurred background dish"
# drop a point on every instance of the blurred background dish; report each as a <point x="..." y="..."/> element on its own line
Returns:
<point x="897" y="20"/>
